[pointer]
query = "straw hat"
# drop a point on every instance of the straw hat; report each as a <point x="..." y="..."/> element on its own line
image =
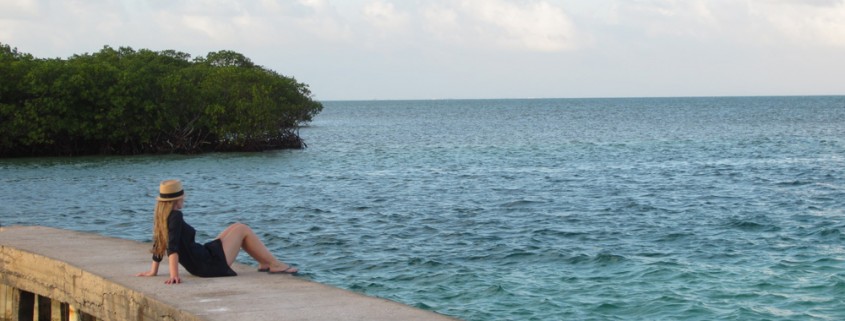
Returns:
<point x="170" y="190"/>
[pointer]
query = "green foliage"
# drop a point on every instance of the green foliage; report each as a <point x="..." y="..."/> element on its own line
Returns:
<point x="123" y="101"/>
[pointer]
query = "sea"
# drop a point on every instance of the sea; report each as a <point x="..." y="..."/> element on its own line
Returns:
<point x="708" y="208"/>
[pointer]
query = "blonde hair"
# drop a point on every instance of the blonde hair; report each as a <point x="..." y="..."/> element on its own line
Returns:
<point x="160" y="237"/>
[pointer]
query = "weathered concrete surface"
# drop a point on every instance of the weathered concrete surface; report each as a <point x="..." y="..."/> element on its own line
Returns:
<point x="97" y="275"/>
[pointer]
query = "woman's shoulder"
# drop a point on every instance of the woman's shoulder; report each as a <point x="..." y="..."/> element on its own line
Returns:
<point x="175" y="215"/>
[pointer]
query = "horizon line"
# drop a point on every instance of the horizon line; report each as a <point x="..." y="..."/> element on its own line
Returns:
<point x="576" y="98"/>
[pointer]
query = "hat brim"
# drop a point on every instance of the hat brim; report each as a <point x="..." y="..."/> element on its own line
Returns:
<point x="170" y="199"/>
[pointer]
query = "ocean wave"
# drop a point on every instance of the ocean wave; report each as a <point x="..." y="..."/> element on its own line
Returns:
<point x="597" y="259"/>
<point x="523" y="203"/>
<point x="753" y="224"/>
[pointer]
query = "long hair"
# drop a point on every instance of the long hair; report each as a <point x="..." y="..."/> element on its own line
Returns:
<point x="160" y="237"/>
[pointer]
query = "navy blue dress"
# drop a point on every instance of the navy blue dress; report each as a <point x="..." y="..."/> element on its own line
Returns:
<point x="203" y="260"/>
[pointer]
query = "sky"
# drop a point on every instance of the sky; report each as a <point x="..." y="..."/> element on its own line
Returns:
<point x="472" y="49"/>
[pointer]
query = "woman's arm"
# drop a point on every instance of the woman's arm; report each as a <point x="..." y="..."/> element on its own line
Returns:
<point x="174" y="234"/>
<point x="152" y="272"/>
<point x="173" y="261"/>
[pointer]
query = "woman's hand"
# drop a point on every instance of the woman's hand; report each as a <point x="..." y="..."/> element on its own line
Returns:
<point x="147" y="273"/>
<point x="153" y="271"/>
<point x="173" y="280"/>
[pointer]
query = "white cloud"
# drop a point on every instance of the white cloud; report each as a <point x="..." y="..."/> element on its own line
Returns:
<point x="385" y="17"/>
<point x="13" y="16"/>
<point x="442" y="22"/>
<point x="261" y="24"/>
<point x="818" y="22"/>
<point x="212" y="28"/>
<point x="316" y="5"/>
<point x="323" y="24"/>
<point x="525" y="25"/>
<point x="659" y="18"/>
<point x="534" y="25"/>
<point x="17" y="9"/>
<point x="762" y="22"/>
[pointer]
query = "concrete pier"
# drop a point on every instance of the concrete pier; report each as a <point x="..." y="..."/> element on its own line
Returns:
<point x="54" y="274"/>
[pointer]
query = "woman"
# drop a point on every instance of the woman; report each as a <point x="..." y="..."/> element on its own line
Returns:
<point x="174" y="237"/>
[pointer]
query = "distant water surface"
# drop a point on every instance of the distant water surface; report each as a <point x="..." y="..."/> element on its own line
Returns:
<point x="558" y="209"/>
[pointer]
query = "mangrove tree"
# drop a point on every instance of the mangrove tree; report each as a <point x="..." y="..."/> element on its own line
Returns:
<point x="126" y="101"/>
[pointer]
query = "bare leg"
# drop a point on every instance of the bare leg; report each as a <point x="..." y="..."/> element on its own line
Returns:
<point x="239" y="236"/>
<point x="229" y="229"/>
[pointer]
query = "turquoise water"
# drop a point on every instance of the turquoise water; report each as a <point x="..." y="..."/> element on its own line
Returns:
<point x="560" y="209"/>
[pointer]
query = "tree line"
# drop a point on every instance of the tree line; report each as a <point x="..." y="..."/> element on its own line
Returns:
<point x="125" y="101"/>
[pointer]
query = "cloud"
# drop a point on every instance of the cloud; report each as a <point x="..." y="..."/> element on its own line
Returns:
<point x="28" y="24"/>
<point x="17" y="9"/>
<point x="384" y="16"/>
<point x="12" y="13"/>
<point x="762" y="22"/>
<point x="670" y="18"/>
<point x="524" y="25"/>
<point x="809" y="22"/>
<point x="817" y="3"/>
<point x="316" y="5"/>
<point x="259" y="24"/>
<point x="213" y="29"/>
<point x="490" y="24"/>
<point x="534" y="25"/>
